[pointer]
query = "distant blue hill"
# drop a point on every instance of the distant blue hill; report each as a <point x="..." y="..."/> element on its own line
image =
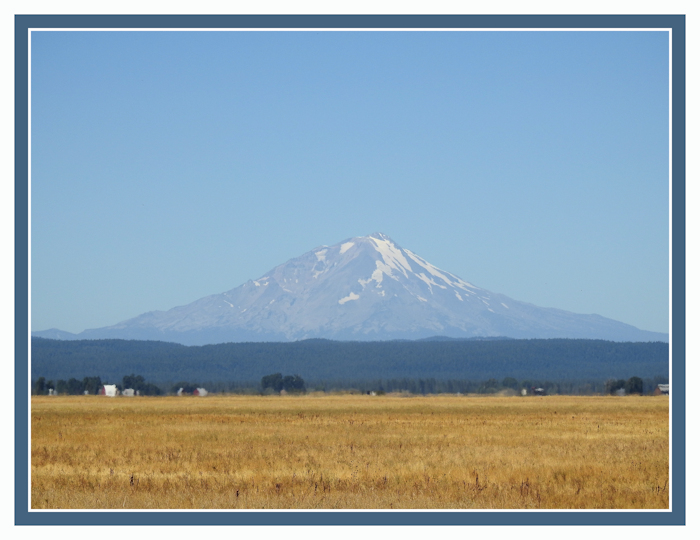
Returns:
<point x="317" y="359"/>
<point x="55" y="333"/>
<point x="447" y="338"/>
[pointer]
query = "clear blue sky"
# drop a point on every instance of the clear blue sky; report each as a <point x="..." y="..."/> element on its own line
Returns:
<point x="167" y="166"/>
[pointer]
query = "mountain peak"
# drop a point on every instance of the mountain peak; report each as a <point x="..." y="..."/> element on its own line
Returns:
<point x="363" y="288"/>
<point x="380" y="236"/>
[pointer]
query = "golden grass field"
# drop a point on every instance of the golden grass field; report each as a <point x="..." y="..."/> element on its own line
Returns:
<point x="350" y="451"/>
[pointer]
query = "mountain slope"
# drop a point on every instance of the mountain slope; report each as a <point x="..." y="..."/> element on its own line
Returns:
<point x="364" y="288"/>
<point x="55" y="333"/>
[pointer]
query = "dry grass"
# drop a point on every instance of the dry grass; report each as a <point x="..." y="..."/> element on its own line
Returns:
<point x="322" y="451"/>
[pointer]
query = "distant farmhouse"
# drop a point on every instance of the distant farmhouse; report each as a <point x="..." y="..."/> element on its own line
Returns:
<point x="662" y="390"/>
<point x="109" y="390"/>
<point x="196" y="392"/>
<point x="533" y="391"/>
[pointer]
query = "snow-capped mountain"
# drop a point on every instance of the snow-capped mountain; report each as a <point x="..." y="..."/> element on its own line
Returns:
<point x="364" y="288"/>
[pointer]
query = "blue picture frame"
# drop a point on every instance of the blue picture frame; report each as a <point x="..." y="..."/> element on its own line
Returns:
<point x="676" y="516"/>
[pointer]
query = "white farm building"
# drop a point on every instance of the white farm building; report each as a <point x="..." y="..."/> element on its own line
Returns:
<point x="109" y="390"/>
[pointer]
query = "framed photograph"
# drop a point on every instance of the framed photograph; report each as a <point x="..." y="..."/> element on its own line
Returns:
<point x="342" y="270"/>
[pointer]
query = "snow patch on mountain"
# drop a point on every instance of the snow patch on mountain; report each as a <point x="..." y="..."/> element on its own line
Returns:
<point x="435" y="271"/>
<point x="346" y="246"/>
<point x="378" y="274"/>
<point x="351" y="296"/>
<point x="392" y="255"/>
<point x="429" y="281"/>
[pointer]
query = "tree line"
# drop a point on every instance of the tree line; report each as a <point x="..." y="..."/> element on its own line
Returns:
<point x="324" y="360"/>
<point x="633" y="385"/>
<point x="276" y="383"/>
<point x="93" y="385"/>
<point x="581" y="387"/>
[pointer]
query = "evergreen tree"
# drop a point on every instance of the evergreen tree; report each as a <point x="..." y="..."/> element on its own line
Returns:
<point x="74" y="387"/>
<point x="634" y="385"/>
<point x="92" y="385"/>
<point x="293" y="384"/>
<point x="612" y="385"/>
<point x="273" y="382"/>
<point x="137" y="382"/>
<point x="509" y="382"/>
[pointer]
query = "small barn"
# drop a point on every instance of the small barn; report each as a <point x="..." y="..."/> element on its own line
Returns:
<point x="200" y="392"/>
<point x="109" y="390"/>
<point x="128" y="392"/>
<point x="662" y="390"/>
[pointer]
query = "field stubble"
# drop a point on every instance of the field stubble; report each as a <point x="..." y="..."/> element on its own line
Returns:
<point x="346" y="452"/>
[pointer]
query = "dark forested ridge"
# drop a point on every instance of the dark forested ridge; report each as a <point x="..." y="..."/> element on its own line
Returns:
<point x="319" y="359"/>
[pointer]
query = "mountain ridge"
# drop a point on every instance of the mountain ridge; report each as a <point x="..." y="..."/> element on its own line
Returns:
<point x="363" y="288"/>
